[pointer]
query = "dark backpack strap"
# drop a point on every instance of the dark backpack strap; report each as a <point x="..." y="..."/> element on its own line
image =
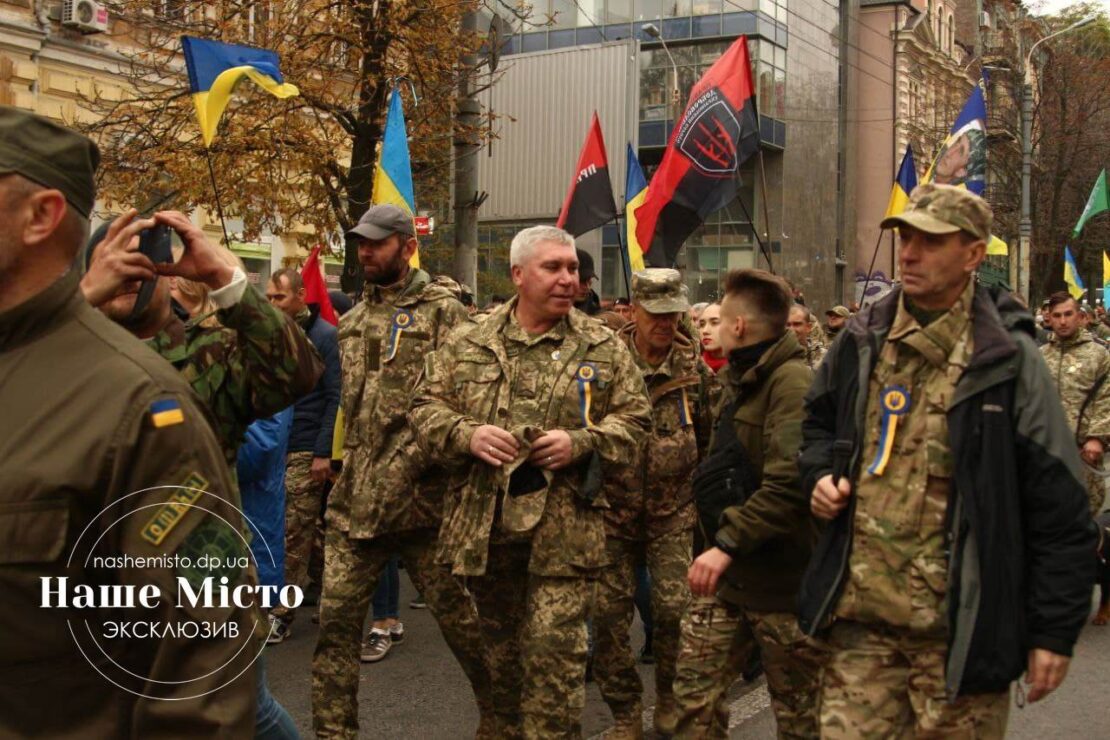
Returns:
<point x="726" y="433"/>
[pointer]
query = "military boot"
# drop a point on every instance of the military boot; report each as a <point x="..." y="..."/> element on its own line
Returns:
<point x="666" y="715"/>
<point x="628" y="722"/>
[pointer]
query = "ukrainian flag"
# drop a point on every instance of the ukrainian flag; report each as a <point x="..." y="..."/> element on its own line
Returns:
<point x="1071" y="276"/>
<point x="214" y="70"/>
<point x="903" y="185"/>
<point x="393" y="171"/>
<point x="635" y="191"/>
<point x="1105" y="278"/>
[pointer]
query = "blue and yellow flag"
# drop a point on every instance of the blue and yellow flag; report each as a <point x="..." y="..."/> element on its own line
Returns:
<point x="1071" y="276"/>
<point x="635" y="190"/>
<point x="903" y="185"/>
<point x="214" y="70"/>
<point x="393" y="171"/>
<point x="962" y="160"/>
<point x="1105" y="278"/>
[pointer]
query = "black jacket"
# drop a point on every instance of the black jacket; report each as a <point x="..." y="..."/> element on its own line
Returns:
<point x="1020" y="538"/>
<point x="314" y="414"/>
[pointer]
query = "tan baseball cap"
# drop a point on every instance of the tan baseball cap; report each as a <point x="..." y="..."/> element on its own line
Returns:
<point x="841" y="311"/>
<point x="660" y="290"/>
<point x="944" y="209"/>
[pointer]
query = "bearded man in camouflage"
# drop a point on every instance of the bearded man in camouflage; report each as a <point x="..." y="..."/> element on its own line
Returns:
<point x="388" y="499"/>
<point x="527" y="407"/>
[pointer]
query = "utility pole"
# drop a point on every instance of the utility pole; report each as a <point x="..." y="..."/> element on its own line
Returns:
<point x="468" y="119"/>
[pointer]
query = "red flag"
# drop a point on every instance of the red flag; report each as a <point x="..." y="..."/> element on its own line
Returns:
<point x="589" y="202"/>
<point x="315" y="290"/>
<point x="697" y="176"/>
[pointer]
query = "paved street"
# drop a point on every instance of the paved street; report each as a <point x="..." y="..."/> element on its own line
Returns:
<point x="418" y="691"/>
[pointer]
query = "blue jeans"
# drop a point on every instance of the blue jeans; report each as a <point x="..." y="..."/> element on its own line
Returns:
<point x="271" y="721"/>
<point x="386" y="603"/>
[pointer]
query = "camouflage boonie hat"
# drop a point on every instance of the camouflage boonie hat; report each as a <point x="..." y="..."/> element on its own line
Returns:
<point x="944" y="209"/>
<point x="660" y="290"/>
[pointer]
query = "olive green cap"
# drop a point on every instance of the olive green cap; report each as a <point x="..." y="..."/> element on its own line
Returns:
<point x="49" y="154"/>
<point x="944" y="209"/>
<point x="660" y="290"/>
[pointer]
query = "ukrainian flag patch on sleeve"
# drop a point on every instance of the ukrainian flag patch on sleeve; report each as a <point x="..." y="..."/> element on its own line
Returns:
<point x="166" y="412"/>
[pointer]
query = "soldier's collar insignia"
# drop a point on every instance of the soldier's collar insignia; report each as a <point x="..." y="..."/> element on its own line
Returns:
<point x="894" y="401"/>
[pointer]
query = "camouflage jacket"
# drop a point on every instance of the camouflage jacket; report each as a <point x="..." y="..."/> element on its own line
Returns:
<point x="473" y="380"/>
<point x="655" y="497"/>
<point x="251" y="366"/>
<point x="385" y="485"/>
<point x="1079" y="368"/>
<point x="815" y="351"/>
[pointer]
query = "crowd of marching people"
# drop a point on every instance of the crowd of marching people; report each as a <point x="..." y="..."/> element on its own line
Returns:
<point x="892" y="514"/>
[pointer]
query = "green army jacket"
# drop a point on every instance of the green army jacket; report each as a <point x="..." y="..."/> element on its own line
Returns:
<point x="105" y="453"/>
<point x="466" y="384"/>
<point x="656" y="497"/>
<point x="386" y="484"/>
<point x="256" y="363"/>
<point x="1079" y="368"/>
<point x="771" y="535"/>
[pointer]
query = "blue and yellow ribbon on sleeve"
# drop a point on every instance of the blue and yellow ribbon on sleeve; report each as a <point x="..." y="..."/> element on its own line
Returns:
<point x="894" y="402"/>
<point x="401" y="320"/>
<point x="685" y="416"/>
<point x="586" y="376"/>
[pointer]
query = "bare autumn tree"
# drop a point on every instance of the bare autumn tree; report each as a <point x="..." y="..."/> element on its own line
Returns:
<point x="1072" y="144"/>
<point x="306" y="161"/>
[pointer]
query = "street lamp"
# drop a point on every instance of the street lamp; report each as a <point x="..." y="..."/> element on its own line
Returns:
<point x="653" y="30"/>
<point x="1025" y="229"/>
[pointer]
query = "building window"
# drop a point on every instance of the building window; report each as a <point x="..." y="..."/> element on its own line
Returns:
<point x="951" y="33"/>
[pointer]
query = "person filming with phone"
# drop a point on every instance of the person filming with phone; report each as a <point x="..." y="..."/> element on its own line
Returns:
<point x="254" y="364"/>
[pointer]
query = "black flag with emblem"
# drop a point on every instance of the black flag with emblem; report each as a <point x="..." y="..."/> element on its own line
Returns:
<point x="698" y="174"/>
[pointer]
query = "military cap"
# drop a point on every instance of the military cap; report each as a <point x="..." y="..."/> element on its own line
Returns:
<point x="381" y="222"/>
<point x="49" y="154"/>
<point x="660" y="290"/>
<point x="841" y="311"/>
<point x="944" y="209"/>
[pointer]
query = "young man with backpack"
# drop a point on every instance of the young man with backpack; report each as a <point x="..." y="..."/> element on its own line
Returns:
<point x="755" y="520"/>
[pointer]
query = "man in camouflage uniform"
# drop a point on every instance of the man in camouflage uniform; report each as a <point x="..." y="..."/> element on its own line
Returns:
<point x="802" y="323"/>
<point x="746" y="581"/>
<point x="958" y="551"/>
<point x="388" y="500"/>
<point x="106" y="456"/>
<point x="1079" y="366"/>
<point x="651" y="514"/>
<point x="251" y="366"/>
<point x="527" y="408"/>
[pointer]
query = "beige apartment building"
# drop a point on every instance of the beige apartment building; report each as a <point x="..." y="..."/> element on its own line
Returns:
<point x="54" y="53"/>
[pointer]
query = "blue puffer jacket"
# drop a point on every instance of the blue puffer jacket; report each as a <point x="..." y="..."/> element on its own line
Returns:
<point x="314" y="414"/>
<point x="261" y="470"/>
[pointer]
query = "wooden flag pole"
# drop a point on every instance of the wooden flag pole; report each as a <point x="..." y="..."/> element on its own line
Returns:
<point x="755" y="233"/>
<point x="870" y="270"/>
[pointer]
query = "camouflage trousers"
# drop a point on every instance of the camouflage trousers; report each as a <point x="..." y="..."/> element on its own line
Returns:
<point x="303" y="527"/>
<point x="535" y="630"/>
<point x="716" y="641"/>
<point x="883" y="683"/>
<point x="668" y="559"/>
<point x="351" y="571"/>
<point x="1096" y="489"/>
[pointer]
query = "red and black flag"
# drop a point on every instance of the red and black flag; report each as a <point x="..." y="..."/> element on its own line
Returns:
<point x="589" y="202"/>
<point x="717" y="132"/>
